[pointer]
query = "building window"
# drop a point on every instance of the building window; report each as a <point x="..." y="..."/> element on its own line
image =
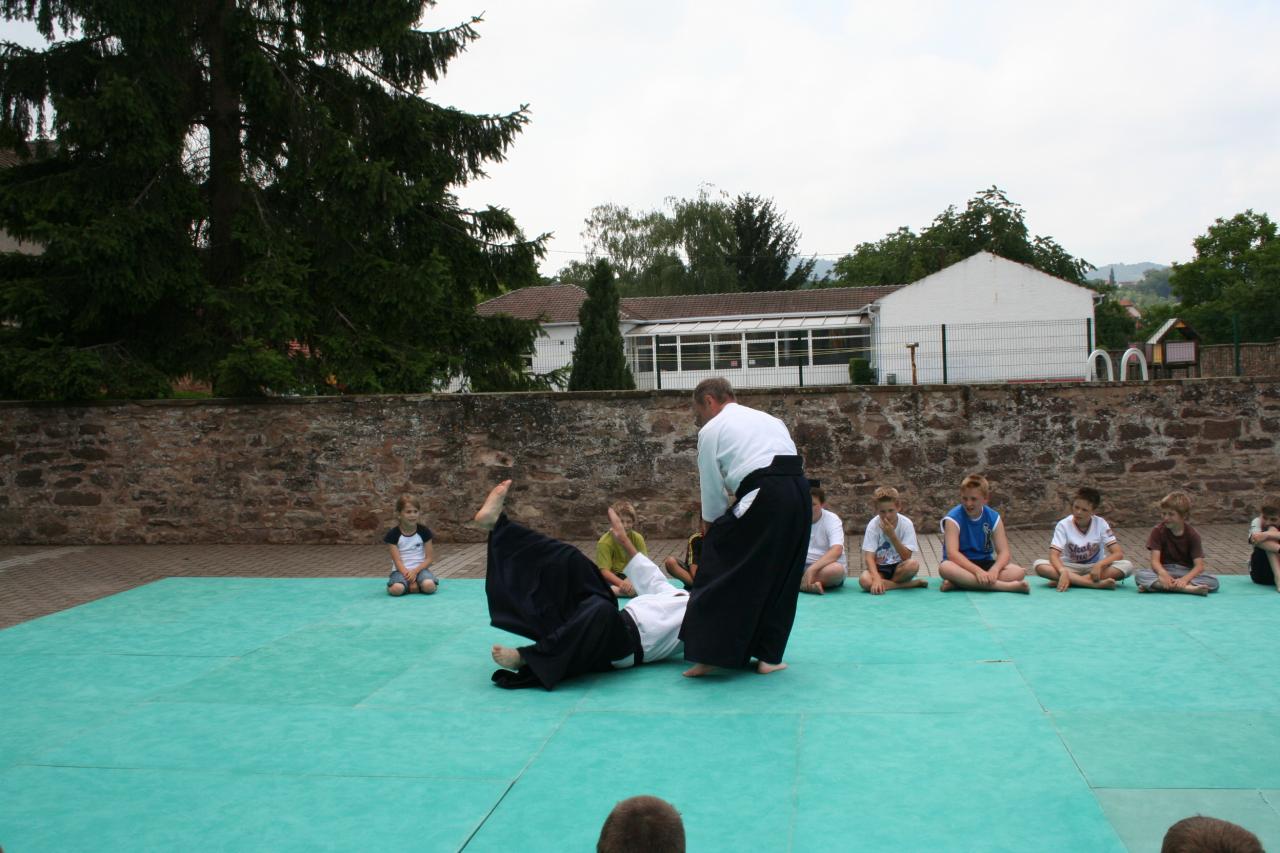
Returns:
<point x="695" y="352"/>
<point x="762" y="349"/>
<point x="667" y="354"/>
<point x="643" y="348"/>
<point x="728" y="351"/>
<point x="793" y="348"/>
<point x="837" y="346"/>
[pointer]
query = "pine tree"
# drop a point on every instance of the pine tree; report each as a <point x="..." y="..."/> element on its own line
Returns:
<point x="599" y="363"/>
<point x="257" y="194"/>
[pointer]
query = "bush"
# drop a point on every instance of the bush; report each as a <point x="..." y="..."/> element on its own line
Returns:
<point x="860" y="372"/>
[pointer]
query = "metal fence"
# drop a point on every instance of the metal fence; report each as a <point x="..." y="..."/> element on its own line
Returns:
<point x="1052" y="350"/>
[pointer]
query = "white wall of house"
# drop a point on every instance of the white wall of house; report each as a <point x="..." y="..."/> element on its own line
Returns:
<point x="555" y="349"/>
<point x="1036" y="325"/>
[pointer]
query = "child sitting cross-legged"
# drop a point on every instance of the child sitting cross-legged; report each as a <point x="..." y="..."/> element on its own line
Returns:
<point x="1084" y="550"/>
<point x="889" y="547"/>
<point x="1177" y="557"/>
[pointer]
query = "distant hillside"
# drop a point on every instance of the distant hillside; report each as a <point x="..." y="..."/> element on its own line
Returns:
<point x="1125" y="273"/>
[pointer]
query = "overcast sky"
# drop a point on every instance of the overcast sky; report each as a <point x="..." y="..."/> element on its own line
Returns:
<point x="1123" y="128"/>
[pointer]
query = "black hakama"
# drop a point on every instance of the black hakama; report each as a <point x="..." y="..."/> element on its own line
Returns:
<point x="548" y="591"/>
<point x="743" y="602"/>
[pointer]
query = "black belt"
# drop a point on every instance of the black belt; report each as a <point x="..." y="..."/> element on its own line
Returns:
<point x="782" y="466"/>
<point x="633" y="631"/>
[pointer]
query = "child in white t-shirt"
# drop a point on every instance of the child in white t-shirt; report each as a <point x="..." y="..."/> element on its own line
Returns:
<point x="889" y="547"/>
<point x="1084" y="550"/>
<point x="826" y="564"/>
<point x="411" y="551"/>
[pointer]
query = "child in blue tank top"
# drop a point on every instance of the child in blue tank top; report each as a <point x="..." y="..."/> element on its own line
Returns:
<point x="975" y="550"/>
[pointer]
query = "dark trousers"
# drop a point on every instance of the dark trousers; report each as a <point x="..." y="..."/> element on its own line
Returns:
<point x="1260" y="568"/>
<point x="549" y="592"/>
<point x="744" y="601"/>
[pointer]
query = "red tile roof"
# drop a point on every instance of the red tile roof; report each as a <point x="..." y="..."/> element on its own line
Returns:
<point x="552" y="303"/>
<point x="559" y="303"/>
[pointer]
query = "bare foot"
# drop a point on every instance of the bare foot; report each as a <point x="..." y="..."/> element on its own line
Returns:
<point x="507" y="657"/>
<point x="815" y="588"/>
<point x="698" y="670"/>
<point x="1023" y="587"/>
<point x="617" y="528"/>
<point x="947" y="586"/>
<point x="766" y="668"/>
<point x="1196" y="589"/>
<point x="487" y="517"/>
<point x="918" y="583"/>
<point x="1106" y="583"/>
<point x="1157" y="586"/>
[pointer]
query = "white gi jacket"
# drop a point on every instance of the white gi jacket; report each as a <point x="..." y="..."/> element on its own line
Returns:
<point x="731" y="445"/>
<point x="658" y="610"/>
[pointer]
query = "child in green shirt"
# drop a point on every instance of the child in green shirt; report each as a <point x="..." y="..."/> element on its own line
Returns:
<point x="611" y="559"/>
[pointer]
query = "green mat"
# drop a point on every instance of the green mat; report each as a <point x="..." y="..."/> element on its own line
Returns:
<point x="244" y="714"/>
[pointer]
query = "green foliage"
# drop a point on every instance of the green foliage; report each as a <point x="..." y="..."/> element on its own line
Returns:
<point x="990" y="222"/>
<point x="860" y="372"/>
<point x="599" y="362"/>
<point x="1113" y="328"/>
<point x="1236" y="271"/>
<point x="233" y="180"/>
<point x="706" y="244"/>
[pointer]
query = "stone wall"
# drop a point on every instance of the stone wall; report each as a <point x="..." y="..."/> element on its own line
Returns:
<point x="329" y="469"/>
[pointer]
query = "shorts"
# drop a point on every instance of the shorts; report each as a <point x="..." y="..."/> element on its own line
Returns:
<point x="423" y="576"/>
<point x="983" y="564"/>
<point x="1125" y="567"/>
<point x="888" y="569"/>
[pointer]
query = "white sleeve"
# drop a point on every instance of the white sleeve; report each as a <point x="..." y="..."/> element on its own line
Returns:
<point x="909" y="535"/>
<point x="871" y="536"/>
<point x="1108" y="535"/>
<point x="647" y="577"/>
<point x="835" y="534"/>
<point x="1059" y="541"/>
<point x="710" y="480"/>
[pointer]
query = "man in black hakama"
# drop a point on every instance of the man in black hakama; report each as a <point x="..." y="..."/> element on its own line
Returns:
<point x="744" y="601"/>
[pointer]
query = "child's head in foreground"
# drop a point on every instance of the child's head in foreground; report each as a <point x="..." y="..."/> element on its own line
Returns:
<point x="1201" y="834"/>
<point x="1175" y="508"/>
<point x="1084" y="503"/>
<point x="642" y="824"/>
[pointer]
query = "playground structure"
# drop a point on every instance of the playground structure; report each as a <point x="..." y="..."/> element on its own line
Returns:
<point x="1131" y="354"/>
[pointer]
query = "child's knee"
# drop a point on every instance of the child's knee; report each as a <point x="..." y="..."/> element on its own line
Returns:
<point x="906" y="571"/>
<point x="426" y="587"/>
<point x="864" y="580"/>
<point x="395" y="589"/>
<point x="1012" y="573"/>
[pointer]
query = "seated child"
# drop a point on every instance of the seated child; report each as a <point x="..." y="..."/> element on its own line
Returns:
<point x="687" y="569"/>
<point x="826" y="564"/>
<point x="1084" y="550"/>
<point x="1264" y="534"/>
<point x="1203" y="834"/>
<point x="889" y="547"/>
<point x="975" y="549"/>
<point x="1177" y="558"/>
<point x="611" y="559"/>
<point x="411" y="551"/>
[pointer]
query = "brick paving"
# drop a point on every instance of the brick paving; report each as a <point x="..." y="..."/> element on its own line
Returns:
<point x="38" y="580"/>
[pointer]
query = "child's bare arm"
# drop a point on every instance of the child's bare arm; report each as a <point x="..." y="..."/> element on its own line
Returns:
<point x="428" y="557"/>
<point x="1055" y="560"/>
<point x="399" y="563"/>
<point x="903" y="551"/>
<point x="1003" y="554"/>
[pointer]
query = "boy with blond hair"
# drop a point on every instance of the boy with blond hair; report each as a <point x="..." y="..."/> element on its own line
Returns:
<point x="611" y="559"/>
<point x="1177" y="557"/>
<point x="889" y="547"/>
<point x="1264" y="535"/>
<point x="1084" y="550"/>
<point x="975" y="549"/>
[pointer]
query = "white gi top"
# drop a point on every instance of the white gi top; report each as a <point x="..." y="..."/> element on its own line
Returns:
<point x="825" y="533"/>
<point x="658" y="609"/>
<point x="732" y="445"/>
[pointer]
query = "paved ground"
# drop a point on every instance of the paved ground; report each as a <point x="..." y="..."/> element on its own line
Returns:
<point x="36" y="580"/>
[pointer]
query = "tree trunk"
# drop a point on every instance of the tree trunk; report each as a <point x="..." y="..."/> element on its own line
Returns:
<point x="223" y="122"/>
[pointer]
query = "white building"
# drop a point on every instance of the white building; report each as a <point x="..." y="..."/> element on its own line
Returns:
<point x="983" y="319"/>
